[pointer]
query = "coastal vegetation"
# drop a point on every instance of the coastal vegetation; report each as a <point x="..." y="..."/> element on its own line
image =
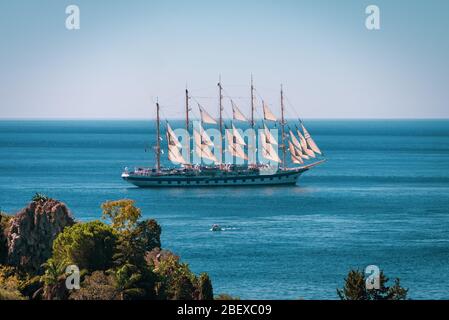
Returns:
<point x="118" y="258"/>
<point x="355" y="288"/>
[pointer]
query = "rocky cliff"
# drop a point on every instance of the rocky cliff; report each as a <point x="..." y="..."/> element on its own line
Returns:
<point x="32" y="231"/>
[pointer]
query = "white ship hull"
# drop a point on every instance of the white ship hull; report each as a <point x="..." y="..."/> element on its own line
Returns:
<point x="287" y="177"/>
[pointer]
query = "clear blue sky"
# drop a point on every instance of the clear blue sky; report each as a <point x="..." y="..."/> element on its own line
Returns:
<point x="128" y="52"/>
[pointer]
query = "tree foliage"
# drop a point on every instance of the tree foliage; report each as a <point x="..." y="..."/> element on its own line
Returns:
<point x="39" y="197"/>
<point x="355" y="288"/>
<point x="122" y="214"/>
<point x="123" y="260"/>
<point x="176" y="281"/>
<point x="97" y="286"/>
<point x="88" y="245"/>
<point x="150" y="233"/>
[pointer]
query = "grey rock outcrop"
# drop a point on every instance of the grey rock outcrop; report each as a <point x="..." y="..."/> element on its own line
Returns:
<point x="32" y="232"/>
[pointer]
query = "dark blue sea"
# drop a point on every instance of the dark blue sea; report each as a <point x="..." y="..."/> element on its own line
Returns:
<point x="382" y="198"/>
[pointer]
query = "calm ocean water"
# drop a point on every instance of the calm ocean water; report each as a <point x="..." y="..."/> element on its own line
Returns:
<point x="382" y="198"/>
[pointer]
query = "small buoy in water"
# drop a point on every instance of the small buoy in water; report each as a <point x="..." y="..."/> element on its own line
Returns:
<point x="215" y="227"/>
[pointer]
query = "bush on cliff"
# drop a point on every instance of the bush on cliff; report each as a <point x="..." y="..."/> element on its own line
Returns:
<point x="9" y="284"/>
<point x="88" y="245"/>
<point x="205" y="290"/>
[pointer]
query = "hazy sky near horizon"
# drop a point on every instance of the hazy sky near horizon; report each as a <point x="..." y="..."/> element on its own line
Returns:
<point x="127" y="53"/>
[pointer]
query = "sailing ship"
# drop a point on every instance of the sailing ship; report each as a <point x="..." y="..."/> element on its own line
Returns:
<point x="203" y="161"/>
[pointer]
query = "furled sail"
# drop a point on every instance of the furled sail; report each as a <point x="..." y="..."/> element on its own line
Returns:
<point x="238" y="138"/>
<point x="267" y="114"/>
<point x="268" y="136"/>
<point x="206" y="117"/>
<point x="310" y="141"/>
<point x="172" y="138"/>
<point x="236" y="113"/>
<point x="268" y="151"/>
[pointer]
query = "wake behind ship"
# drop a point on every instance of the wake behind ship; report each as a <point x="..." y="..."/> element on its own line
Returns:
<point x="212" y="165"/>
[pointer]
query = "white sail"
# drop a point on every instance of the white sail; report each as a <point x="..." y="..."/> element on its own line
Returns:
<point x="295" y="153"/>
<point x="203" y="138"/>
<point x="174" y="155"/>
<point x="295" y="140"/>
<point x="205" y="153"/>
<point x="310" y="152"/>
<point x="197" y="138"/>
<point x="304" y="156"/>
<point x="293" y="150"/>
<point x="206" y="117"/>
<point x="267" y="114"/>
<point x="296" y="160"/>
<point x="238" y="138"/>
<point x="268" y="151"/>
<point x="270" y="154"/>
<point x="172" y="138"/>
<point x="302" y="139"/>
<point x="310" y="141"/>
<point x="236" y="113"/>
<point x="236" y="150"/>
<point x="268" y="136"/>
<point x="305" y="145"/>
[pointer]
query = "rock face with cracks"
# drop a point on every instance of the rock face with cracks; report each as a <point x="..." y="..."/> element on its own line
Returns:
<point x="32" y="231"/>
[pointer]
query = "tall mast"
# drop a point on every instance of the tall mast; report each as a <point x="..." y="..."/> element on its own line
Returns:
<point x="187" y="110"/>
<point x="187" y="126"/>
<point x="158" y="143"/>
<point x="252" y="102"/>
<point x="220" y="101"/>
<point x="282" y="128"/>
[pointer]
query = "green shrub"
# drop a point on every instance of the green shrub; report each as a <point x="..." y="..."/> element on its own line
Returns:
<point x="176" y="282"/>
<point x="10" y="295"/>
<point x="97" y="286"/>
<point x="355" y="288"/>
<point x="205" y="290"/>
<point x="88" y="245"/>
<point x="9" y="284"/>
<point x="39" y="197"/>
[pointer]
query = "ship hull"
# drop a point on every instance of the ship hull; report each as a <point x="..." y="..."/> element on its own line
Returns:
<point x="288" y="177"/>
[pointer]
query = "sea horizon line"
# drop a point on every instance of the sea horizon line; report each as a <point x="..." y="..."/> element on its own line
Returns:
<point x="224" y="119"/>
